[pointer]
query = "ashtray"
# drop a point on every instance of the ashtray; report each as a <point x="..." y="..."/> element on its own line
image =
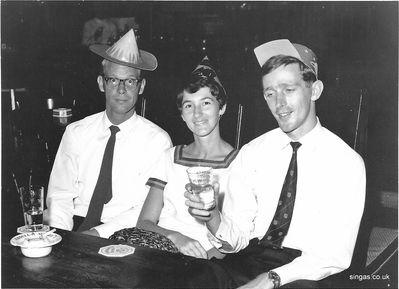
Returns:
<point x="36" y="244"/>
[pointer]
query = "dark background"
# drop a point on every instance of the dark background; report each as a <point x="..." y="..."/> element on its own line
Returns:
<point x="356" y="43"/>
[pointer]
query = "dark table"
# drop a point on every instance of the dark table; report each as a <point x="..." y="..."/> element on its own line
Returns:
<point x="75" y="263"/>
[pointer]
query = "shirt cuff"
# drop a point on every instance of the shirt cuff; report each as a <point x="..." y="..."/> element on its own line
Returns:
<point x="214" y="241"/>
<point x="105" y="230"/>
<point x="220" y="240"/>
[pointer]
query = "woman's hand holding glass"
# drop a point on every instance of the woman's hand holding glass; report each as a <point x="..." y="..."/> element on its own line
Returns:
<point x="188" y="246"/>
<point x="196" y="206"/>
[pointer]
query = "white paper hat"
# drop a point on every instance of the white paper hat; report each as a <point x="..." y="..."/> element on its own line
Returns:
<point x="125" y="52"/>
<point x="284" y="47"/>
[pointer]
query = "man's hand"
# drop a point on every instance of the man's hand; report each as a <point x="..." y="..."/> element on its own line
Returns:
<point x="260" y="282"/>
<point x="92" y="232"/>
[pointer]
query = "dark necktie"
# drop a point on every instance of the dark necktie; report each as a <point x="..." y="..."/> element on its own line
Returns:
<point x="278" y="229"/>
<point x="102" y="193"/>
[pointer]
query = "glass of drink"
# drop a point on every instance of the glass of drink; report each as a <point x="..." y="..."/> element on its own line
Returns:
<point x="32" y="202"/>
<point x="201" y="183"/>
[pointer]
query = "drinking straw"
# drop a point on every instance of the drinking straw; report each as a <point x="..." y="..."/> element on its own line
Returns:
<point x="20" y="195"/>
<point x="16" y="183"/>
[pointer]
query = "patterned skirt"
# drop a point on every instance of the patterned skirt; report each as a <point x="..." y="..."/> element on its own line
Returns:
<point x="144" y="238"/>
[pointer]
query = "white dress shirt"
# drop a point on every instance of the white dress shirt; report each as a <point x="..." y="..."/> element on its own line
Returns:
<point x="328" y="207"/>
<point x="138" y="145"/>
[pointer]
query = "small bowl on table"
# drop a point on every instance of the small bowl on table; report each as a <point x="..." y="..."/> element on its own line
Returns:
<point x="36" y="244"/>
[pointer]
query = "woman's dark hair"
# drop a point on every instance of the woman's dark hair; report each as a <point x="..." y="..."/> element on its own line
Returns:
<point x="279" y="60"/>
<point x="195" y="83"/>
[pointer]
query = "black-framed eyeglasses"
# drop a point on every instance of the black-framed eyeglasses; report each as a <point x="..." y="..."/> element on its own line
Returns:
<point x="129" y="83"/>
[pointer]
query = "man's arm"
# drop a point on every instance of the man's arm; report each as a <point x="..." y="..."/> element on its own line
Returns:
<point x="61" y="190"/>
<point x="155" y="153"/>
<point x="126" y="219"/>
<point x="331" y="247"/>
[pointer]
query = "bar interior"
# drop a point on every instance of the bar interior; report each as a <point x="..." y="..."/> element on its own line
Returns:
<point x="48" y="80"/>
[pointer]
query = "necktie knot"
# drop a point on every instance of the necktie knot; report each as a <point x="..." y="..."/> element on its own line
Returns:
<point x="295" y="145"/>
<point x="114" y="129"/>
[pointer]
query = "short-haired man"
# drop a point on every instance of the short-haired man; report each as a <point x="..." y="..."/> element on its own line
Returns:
<point x="97" y="185"/>
<point x="296" y="194"/>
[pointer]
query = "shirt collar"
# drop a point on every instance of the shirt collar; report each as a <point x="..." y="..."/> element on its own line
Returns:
<point x="124" y="126"/>
<point x="309" y="139"/>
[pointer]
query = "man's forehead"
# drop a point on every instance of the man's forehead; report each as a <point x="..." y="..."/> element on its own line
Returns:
<point x="291" y="71"/>
<point x="111" y="67"/>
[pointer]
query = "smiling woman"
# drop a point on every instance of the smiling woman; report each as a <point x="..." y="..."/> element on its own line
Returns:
<point x="201" y="102"/>
<point x="201" y="112"/>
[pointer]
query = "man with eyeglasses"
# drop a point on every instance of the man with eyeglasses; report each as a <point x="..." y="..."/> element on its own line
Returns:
<point x="97" y="185"/>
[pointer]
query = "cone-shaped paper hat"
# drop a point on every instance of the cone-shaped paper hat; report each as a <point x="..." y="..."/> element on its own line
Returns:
<point x="283" y="46"/>
<point x="205" y="69"/>
<point x="125" y="52"/>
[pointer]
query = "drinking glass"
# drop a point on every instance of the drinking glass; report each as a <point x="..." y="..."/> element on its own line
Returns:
<point x="33" y="203"/>
<point x="201" y="183"/>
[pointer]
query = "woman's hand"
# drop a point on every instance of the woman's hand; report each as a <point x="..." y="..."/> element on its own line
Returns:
<point x="196" y="207"/>
<point x="211" y="216"/>
<point x="188" y="246"/>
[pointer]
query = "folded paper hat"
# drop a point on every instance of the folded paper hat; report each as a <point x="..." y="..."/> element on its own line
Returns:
<point x="125" y="52"/>
<point x="205" y="70"/>
<point x="284" y="47"/>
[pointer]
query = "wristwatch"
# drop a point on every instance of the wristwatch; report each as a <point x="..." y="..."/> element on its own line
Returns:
<point x="275" y="279"/>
